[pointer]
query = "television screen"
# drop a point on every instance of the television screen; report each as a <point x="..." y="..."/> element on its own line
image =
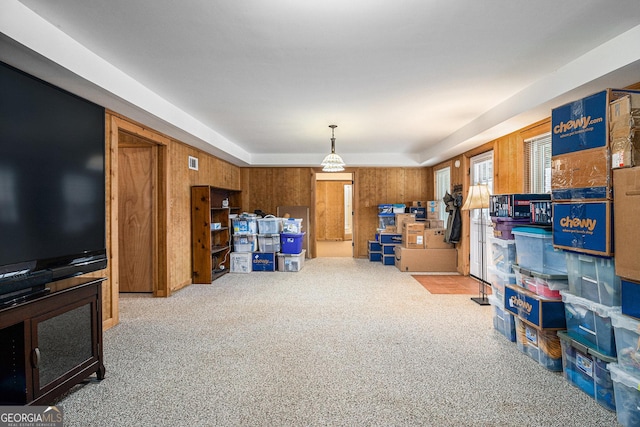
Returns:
<point x="52" y="179"/>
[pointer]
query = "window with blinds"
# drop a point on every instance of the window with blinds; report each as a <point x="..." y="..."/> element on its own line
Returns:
<point x="537" y="164"/>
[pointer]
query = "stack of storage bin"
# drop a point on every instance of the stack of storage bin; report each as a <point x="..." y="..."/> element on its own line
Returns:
<point x="535" y="300"/>
<point x="387" y="236"/>
<point x="502" y="256"/>
<point x="626" y="373"/>
<point x="267" y="244"/>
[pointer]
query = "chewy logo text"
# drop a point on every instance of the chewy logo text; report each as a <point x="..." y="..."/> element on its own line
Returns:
<point x="569" y="222"/>
<point x="582" y="122"/>
<point x="514" y="301"/>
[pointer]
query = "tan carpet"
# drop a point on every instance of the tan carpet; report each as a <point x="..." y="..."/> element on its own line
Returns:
<point x="454" y="284"/>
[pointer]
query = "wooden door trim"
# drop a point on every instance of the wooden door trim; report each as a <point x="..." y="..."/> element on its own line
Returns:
<point x="161" y="287"/>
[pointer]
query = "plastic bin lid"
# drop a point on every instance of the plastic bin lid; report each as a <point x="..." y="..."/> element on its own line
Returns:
<point x="585" y="349"/>
<point x="531" y="231"/>
<point x="501" y="242"/>
<point x="292" y="234"/>
<point x="544" y="276"/>
<point x="619" y="320"/>
<point x="623" y="377"/>
<point x="600" y="309"/>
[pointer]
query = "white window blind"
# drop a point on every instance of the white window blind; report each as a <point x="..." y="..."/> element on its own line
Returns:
<point x="537" y="164"/>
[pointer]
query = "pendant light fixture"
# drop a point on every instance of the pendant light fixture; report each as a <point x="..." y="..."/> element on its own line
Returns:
<point x="333" y="162"/>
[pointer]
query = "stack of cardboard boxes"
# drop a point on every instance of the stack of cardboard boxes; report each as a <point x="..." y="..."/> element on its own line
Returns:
<point x="423" y="246"/>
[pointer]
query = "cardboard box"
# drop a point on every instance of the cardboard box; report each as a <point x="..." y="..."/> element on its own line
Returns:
<point x="626" y="186"/>
<point x="419" y="212"/>
<point x="240" y="262"/>
<point x="434" y="238"/>
<point x="533" y="309"/>
<point x="625" y="109"/>
<point x="434" y="223"/>
<point x="263" y="261"/>
<point x="426" y="260"/>
<point x="625" y="150"/>
<point x="402" y="218"/>
<point x="413" y="235"/>
<point x="583" y="124"/>
<point x="585" y="174"/>
<point x="583" y="226"/>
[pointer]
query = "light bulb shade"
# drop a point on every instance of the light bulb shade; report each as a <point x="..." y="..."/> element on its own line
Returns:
<point x="477" y="198"/>
<point x="332" y="168"/>
<point x="333" y="162"/>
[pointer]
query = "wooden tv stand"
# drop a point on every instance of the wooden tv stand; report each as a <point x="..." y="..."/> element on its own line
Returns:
<point x="52" y="342"/>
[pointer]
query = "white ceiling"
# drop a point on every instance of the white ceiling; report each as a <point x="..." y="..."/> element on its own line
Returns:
<point x="408" y="82"/>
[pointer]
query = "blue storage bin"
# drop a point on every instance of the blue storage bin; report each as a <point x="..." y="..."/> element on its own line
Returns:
<point x="590" y="323"/>
<point x="389" y="259"/>
<point x="593" y="278"/>
<point x="542" y="345"/>
<point x="586" y="368"/>
<point x="630" y="296"/>
<point x="375" y="256"/>
<point x="535" y="251"/>
<point x="291" y="243"/>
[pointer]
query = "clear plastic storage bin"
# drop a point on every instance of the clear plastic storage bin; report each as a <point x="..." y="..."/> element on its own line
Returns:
<point x="269" y="225"/>
<point x="535" y="251"/>
<point x="499" y="279"/>
<point x="593" y="278"/>
<point x="627" y="334"/>
<point x="245" y="225"/>
<point x="502" y="253"/>
<point x="269" y="242"/>
<point x="587" y="369"/>
<point x="626" y="388"/>
<point x="503" y="321"/>
<point x="245" y="243"/>
<point x="545" y="285"/>
<point x="590" y="323"/>
<point x="291" y="225"/>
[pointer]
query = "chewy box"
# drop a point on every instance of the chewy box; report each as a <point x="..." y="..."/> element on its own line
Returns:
<point x="626" y="388"/>
<point x="627" y="334"/>
<point x="502" y="253"/>
<point x="291" y="243"/>
<point x="542" y="345"/>
<point x="590" y="323"/>
<point x="535" y="251"/>
<point x="584" y="227"/>
<point x="593" y="278"/>
<point x="263" y="261"/>
<point x="503" y="321"/>
<point x="630" y="295"/>
<point x="535" y="310"/>
<point x="291" y="262"/>
<point x="586" y="368"/>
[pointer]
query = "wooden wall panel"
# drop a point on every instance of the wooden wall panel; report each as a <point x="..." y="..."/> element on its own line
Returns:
<point x="330" y="210"/>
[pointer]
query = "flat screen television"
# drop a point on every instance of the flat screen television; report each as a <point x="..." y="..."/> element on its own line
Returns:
<point x="52" y="185"/>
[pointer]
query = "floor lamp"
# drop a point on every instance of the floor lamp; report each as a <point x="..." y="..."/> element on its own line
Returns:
<point x="478" y="198"/>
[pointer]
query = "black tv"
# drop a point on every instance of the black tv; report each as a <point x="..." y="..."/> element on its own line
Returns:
<point x="52" y="185"/>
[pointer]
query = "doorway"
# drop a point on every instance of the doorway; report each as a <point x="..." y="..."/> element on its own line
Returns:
<point x="480" y="224"/>
<point x="137" y="213"/>
<point x="334" y="215"/>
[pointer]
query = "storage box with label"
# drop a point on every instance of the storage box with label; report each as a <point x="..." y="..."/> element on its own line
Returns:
<point x="541" y="212"/>
<point x="263" y="261"/>
<point x="434" y="238"/>
<point x="413" y="235"/>
<point x="590" y="323"/>
<point x="513" y="205"/>
<point x="426" y="260"/>
<point x="581" y="175"/>
<point x="626" y="187"/>
<point x="586" y="369"/>
<point x="542" y="345"/>
<point x="240" y="262"/>
<point x="534" y="309"/>
<point x="291" y="262"/>
<point x="584" y="227"/>
<point x="419" y="211"/>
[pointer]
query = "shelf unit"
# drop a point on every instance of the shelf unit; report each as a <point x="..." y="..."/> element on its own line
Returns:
<point x="211" y="244"/>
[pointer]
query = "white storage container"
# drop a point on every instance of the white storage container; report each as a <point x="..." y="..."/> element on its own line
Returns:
<point x="292" y="225"/>
<point x="240" y="262"/>
<point x="291" y="262"/>
<point x="269" y="225"/>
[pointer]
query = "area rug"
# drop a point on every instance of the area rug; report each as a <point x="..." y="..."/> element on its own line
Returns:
<point x="454" y="284"/>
